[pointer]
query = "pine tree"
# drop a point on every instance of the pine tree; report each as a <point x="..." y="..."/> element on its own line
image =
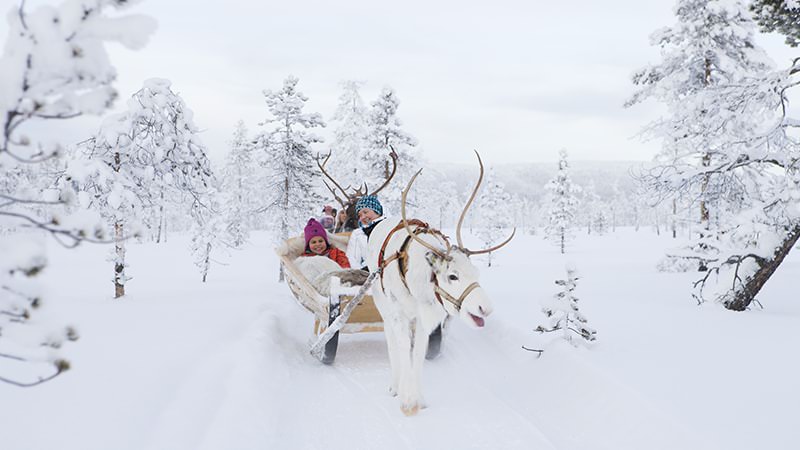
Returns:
<point x="563" y="204"/>
<point x="711" y="45"/>
<point x="493" y="215"/>
<point x="782" y="16"/>
<point x="600" y="220"/>
<point x="564" y="315"/>
<point x="350" y="136"/>
<point x="287" y="147"/>
<point x="146" y="154"/>
<point x="239" y="184"/>
<point x="54" y="66"/>
<point x="384" y="131"/>
<point x="590" y="204"/>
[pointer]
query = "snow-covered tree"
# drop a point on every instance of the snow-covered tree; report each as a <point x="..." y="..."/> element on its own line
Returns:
<point x="711" y="45"/>
<point x="782" y="16"/>
<point x="762" y="169"/>
<point x="751" y="164"/>
<point x="493" y="215"/>
<point x="350" y="136"/>
<point x="384" y="130"/>
<point x="444" y="197"/>
<point x="563" y="204"/>
<point x="590" y="204"/>
<point x="150" y="149"/>
<point x="564" y="315"/>
<point x="210" y="231"/>
<point x="292" y="174"/>
<point x="239" y="186"/>
<point x="54" y="67"/>
<point x="600" y="220"/>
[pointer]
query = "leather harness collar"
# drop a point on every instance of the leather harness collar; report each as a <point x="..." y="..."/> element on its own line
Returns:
<point x="401" y="256"/>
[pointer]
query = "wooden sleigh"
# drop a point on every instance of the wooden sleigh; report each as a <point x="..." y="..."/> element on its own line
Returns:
<point x="363" y="318"/>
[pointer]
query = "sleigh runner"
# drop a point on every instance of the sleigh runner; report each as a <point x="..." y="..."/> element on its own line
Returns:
<point x="326" y="308"/>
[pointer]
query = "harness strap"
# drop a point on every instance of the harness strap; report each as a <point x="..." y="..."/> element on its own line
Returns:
<point x="439" y="292"/>
<point x="401" y="255"/>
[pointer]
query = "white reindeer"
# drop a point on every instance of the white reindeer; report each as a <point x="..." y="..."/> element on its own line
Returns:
<point x="424" y="280"/>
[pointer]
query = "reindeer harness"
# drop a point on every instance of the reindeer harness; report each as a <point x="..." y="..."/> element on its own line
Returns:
<point x="401" y="256"/>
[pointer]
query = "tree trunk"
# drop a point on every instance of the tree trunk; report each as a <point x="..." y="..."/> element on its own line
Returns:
<point x="119" y="244"/>
<point x="207" y="262"/>
<point x="284" y="224"/>
<point x="119" y="263"/>
<point x="745" y="295"/>
<point x="674" y="219"/>
<point x="613" y="220"/>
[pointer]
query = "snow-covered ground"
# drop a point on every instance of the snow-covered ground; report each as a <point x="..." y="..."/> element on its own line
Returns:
<point x="179" y="364"/>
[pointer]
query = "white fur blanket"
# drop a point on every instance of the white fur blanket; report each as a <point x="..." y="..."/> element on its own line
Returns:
<point x="319" y="269"/>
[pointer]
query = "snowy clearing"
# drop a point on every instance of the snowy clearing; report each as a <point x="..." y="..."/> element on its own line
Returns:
<point x="179" y="364"/>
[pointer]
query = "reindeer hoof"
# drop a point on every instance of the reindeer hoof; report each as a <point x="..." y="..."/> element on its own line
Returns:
<point x="410" y="410"/>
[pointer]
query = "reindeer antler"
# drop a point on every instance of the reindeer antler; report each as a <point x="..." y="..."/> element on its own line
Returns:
<point x="327" y="175"/>
<point x="393" y="155"/>
<point x="464" y="214"/>
<point x="411" y="233"/>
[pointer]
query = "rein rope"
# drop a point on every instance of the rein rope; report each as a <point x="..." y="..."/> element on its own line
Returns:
<point x="401" y="256"/>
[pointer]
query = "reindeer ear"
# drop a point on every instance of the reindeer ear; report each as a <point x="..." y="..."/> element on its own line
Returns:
<point x="432" y="258"/>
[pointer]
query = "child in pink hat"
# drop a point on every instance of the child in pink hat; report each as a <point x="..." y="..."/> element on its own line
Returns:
<point x="317" y="244"/>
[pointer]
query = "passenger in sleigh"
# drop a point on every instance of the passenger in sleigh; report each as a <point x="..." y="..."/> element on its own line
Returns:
<point x="317" y="244"/>
<point x="370" y="212"/>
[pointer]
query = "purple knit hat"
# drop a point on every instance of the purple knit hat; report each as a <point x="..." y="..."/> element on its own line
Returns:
<point x="314" y="228"/>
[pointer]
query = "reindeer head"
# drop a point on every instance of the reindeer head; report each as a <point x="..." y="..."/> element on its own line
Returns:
<point x="350" y="195"/>
<point x="455" y="280"/>
<point x="454" y="276"/>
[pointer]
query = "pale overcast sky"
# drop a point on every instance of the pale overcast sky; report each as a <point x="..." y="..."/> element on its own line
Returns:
<point x="516" y="80"/>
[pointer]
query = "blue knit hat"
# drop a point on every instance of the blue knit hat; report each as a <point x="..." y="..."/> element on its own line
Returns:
<point x="371" y="202"/>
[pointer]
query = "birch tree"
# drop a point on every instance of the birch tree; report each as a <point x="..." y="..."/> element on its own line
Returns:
<point x="150" y="149"/>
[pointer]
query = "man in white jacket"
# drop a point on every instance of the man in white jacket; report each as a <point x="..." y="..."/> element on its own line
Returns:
<point x="370" y="213"/>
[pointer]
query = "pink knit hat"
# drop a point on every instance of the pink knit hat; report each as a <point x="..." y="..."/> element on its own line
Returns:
<point x="314" y="228"/>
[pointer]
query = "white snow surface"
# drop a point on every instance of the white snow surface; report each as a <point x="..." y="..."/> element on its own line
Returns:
<point x="179" y="364"/>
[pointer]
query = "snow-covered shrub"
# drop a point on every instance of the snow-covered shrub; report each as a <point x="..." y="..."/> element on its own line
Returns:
<point x="564" y="315"/>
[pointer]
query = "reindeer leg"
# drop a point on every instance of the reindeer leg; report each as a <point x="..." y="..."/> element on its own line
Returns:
<point x="391" y="332"/>
<point x="411" y="383"/>
<point x="408" y="390"/>
<point x="420" y="348"/>
<point x="392" y="329"/>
